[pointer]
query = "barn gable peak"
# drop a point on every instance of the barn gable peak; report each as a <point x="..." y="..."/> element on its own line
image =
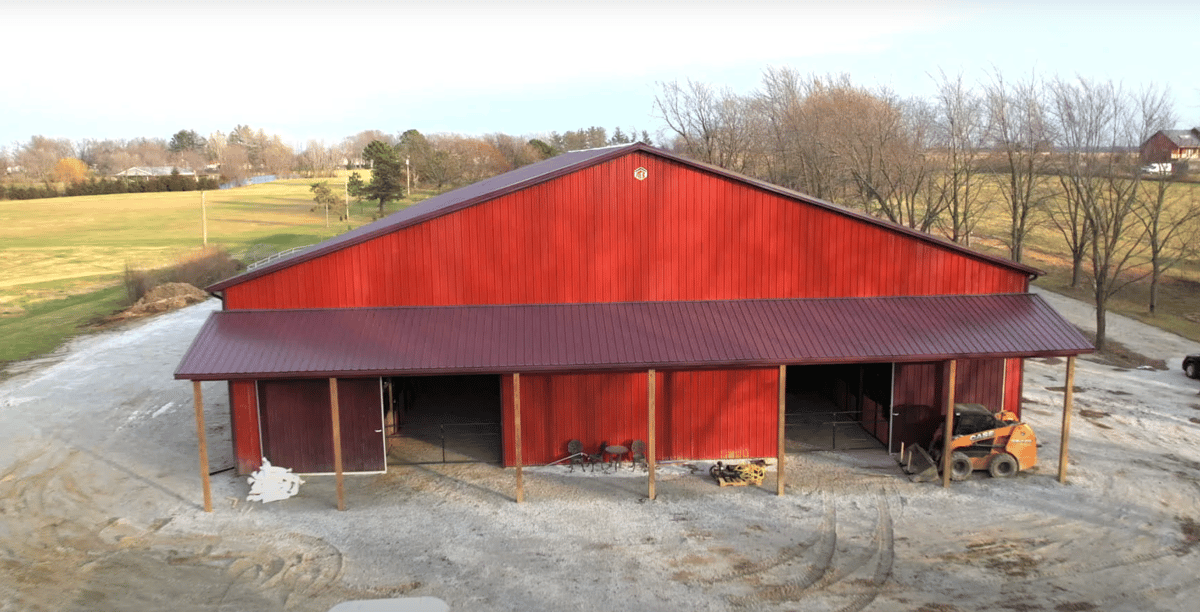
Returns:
<point x="562" y="165"/>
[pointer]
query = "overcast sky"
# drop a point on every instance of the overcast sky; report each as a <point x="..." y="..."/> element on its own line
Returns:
<point x="327" y="70"/>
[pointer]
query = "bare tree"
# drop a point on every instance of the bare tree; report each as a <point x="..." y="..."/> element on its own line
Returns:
<point x="465" y="160"/>
<point x="235" y="163"/>
<point x="713" y="126"/>
<point x="958" y="140"/>
<point x="800" y="127"/>
<point x="318" y="160"/>
<point x="1172" y="227"/>
<point x="1021" y="134"/>
<point x="517" y="152"/>
<point x="277" y="158"/>
<point x="1172" y="230"/>
<point x="354" y="145"/>
<point x="885" y="148"/>
<point x="1101" y="126"/>
<point x="38" y="157"/>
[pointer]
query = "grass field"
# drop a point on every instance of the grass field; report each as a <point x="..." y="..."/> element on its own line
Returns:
<point x="64" y="258"/>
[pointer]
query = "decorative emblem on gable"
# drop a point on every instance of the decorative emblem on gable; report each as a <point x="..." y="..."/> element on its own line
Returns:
<point x="640" y="174"/>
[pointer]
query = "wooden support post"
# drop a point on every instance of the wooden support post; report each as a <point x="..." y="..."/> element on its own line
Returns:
<point x="650" y="446"/>
<point x="1068" y="396"/>
<point x="337" y="443"/>
<point x="781" y="460"/>
<point x="948" y="434"/>
<point x="517" y="435"/>
<point x="202" y="439"/>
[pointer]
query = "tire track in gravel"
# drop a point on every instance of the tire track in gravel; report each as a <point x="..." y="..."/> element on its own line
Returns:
<point x="67" y="544"/>
<point x="824" y="573"/>
<point x="825" y="546"/>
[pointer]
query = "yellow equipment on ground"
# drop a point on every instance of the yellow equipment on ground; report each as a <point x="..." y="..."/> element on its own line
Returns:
<point x="738" y="475"/>
<point x="983" y="440"/>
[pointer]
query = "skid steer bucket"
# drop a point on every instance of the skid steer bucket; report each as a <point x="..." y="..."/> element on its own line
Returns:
<point x="919" y="466"/>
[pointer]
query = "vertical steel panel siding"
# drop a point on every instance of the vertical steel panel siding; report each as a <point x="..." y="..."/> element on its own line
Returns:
<point x="243" y="413"/>
<point x="711" y="414"/>
<point x="599" y="235"/>
<point x="980" y="381"/>
<point x="919" y="394"/>
<point x="297" y="430"/>
<point x="1014" y="383"/>
<point x="719" y="414"/>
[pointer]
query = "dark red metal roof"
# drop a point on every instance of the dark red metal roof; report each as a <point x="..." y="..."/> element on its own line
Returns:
<point x="254" y="344"/>
<point x="554" y="167"/>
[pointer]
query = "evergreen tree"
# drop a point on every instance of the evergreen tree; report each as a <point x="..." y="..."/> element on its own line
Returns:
<point x="387" y="174"/>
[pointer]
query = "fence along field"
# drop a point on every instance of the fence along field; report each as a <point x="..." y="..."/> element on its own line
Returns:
<point x="64" y="258"/>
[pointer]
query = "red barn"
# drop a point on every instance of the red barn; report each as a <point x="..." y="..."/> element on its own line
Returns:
<point x="590" y="272"/>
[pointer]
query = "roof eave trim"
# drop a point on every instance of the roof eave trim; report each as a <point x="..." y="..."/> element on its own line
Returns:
<point x="627" y="367"/>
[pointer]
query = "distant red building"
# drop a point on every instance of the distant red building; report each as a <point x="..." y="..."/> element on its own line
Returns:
<point x="585" y="272"/>
<point x="1167" y="146"/>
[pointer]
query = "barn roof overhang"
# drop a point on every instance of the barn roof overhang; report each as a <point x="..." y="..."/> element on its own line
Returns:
<point x="402" y="341"/>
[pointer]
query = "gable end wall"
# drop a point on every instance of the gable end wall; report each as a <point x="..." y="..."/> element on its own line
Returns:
<point x="601" y="235"/>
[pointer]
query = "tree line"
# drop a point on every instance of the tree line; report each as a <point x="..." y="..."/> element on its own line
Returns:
<point x="434" y="161"/>
<point x="1052" y="152"/>
<point x="106" y="186"/>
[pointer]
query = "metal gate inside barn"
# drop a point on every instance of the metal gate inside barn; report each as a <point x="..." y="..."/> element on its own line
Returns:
<point x="443" y="419"/>
<point x="838" y="406"/>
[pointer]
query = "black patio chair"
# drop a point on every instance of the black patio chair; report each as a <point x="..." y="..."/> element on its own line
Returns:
<point x="576" y="455"/>
<point x="598" y="457"/>
<point x="637" y="455"/>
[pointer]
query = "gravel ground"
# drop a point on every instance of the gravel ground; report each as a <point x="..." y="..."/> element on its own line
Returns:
<point x="101" y="510"/>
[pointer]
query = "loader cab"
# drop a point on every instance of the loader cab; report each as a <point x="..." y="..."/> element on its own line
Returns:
<point x="974" y="418"/>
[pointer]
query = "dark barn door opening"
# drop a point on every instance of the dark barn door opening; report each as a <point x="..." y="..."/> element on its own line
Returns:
<point x="838" y="406"/>
<point x="297" y="426"/>
<point x="444" y="419"/>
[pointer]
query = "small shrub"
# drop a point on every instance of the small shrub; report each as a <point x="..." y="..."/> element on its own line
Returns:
<point x="203" y="268"/>
<point x="138" y="282"/>
<point x="199" y="268"/>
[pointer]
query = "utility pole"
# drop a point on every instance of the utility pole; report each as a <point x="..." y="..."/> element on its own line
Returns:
<point x="408" y="174"/>
<point x="203" y="219"/>
<point x="346" y="194"/>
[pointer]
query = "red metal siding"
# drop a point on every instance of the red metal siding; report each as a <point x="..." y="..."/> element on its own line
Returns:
<point x="243" y="413"/>
<point x="980" y="381"/>
<point x="710" y="414"/>
<point x="917" y="399"/>
<point x="592" y="408"/>
<point x="599" y="235"/>
<point x="719" y="414"/>
<point x="1014" y="382"/>
<point x="297" y="429"/>
<point x="919" y="393"/>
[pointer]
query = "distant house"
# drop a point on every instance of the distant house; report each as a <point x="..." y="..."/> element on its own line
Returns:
<point x="1172" y="146"/>
<point x="149" y="171"/>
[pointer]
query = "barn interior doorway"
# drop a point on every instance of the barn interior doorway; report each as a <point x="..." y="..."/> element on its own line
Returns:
<point x="443" y="419"/>
<point x="839" y="406"/>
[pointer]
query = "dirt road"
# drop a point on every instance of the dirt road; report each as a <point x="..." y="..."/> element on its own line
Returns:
<point x="100" y="497"/>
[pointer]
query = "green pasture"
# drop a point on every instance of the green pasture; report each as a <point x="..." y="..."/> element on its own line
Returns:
<point x="64" y="258"/>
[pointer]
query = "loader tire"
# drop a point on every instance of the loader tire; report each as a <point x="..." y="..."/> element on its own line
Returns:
<point x="960" y="466"/>
<point x="1003" y="465"/>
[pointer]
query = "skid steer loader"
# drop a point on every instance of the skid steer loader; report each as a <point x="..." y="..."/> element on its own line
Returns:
<point x="982" y="440"/>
